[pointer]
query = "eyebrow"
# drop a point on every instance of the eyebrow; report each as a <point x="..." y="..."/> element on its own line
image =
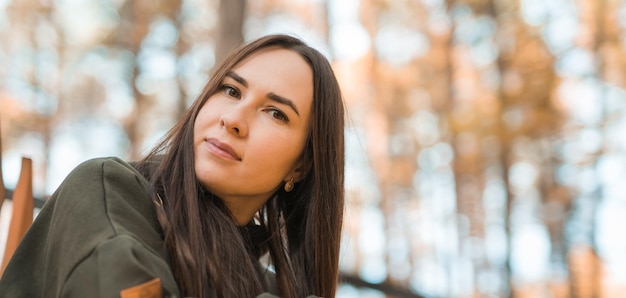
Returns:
<point x="273" y="96"/>
<point x="237" y="78"/>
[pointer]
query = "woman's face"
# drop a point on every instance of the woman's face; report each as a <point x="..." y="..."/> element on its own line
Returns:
<point x="249" y="136"/>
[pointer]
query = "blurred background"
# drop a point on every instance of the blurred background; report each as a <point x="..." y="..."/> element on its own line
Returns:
<point x="486" y="139"/>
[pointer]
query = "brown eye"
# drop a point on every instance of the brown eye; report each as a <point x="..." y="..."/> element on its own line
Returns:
<point x="230" y="91"/>
<point x="278" y="115"/>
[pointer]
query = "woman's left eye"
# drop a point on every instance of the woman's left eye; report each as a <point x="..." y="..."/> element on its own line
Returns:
<point x="278" y="115"/>
<point x="230" y="91"/>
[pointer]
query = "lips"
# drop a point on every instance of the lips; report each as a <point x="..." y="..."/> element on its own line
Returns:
<point x="221" y="149"/>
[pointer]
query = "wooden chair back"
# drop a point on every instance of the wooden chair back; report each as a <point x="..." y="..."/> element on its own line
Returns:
<point x="22" y="207"/>
<point x="3" y="191"/>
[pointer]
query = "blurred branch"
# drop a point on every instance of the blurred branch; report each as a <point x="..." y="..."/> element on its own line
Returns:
<point x="39" y="202"/>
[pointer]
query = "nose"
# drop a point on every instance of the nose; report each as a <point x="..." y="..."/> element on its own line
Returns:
<point x="234" y="121"/>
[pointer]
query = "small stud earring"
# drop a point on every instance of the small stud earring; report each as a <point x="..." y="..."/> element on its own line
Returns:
<point x="289" y="185"/>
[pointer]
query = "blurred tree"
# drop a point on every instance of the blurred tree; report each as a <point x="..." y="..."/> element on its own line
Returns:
<point x="232" y="14"/>
<point x="482" y="120"/>
<point x="38" y="48"/>
<point x="136" y="18"/>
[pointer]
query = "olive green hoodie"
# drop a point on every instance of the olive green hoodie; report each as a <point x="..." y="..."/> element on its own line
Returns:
<point x="96" y="236"/>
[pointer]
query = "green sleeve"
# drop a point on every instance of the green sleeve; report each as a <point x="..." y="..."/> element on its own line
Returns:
<point x="116" y="264"/>
<point x="98" y="233"/>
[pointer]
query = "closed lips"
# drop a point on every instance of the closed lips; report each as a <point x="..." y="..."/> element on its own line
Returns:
<point x="222" y="149"/>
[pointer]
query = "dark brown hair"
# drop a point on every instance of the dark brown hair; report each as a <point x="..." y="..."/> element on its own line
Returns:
<point x="210" y="254"/>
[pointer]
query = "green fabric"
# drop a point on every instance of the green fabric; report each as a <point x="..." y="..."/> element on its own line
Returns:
<point x="96" y="235"/>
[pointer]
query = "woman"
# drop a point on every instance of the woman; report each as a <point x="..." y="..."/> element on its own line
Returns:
<point x="253" y="168"/>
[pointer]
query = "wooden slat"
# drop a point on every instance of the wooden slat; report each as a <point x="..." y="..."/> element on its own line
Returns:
<point x="39" y="201"/>
<point x="22" y="211"/>
<point x="2" y="188"/>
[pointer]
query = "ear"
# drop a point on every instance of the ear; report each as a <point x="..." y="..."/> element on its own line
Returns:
<point x="300" y="170"/>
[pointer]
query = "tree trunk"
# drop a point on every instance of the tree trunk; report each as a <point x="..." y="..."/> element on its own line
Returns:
<point x="230" y="29"/>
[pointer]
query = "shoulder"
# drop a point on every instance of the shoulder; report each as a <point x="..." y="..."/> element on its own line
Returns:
<point x="96" y="172"/>
<point x="102" y="178"/>
<point x="103" y="166"/>
<point x="103" y="200"/>
<point x="113" y="190"/>
<point x="102" y="197"/>
<point x="98" y="184"/>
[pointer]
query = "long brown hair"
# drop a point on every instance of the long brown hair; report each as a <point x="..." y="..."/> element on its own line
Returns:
<point x="209" y="254"/>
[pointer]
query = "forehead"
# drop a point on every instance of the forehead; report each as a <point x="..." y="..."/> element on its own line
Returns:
<point x="274" y="60"/>
<point x="279" y="71"/>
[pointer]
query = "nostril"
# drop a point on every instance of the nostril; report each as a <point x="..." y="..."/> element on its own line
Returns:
<point x="232" y="126"/>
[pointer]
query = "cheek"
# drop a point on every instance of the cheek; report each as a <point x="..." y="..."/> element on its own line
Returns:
<point x="197" y="131"/>
<point x="282" y="151"/>
<point x="203" y="119"/>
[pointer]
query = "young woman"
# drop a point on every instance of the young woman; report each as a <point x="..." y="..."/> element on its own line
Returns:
<point x="254" y="168"/>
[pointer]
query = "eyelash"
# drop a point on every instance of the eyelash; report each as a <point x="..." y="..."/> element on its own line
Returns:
<point x="274" y="112"/>
<point x="228" y="88"/>
<point x="281" y="116"/>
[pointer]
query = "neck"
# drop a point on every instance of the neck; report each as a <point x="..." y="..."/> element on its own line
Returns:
<point x="243" y="210"/>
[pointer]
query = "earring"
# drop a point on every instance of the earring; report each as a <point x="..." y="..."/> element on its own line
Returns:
<point x="289" y="185"/>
